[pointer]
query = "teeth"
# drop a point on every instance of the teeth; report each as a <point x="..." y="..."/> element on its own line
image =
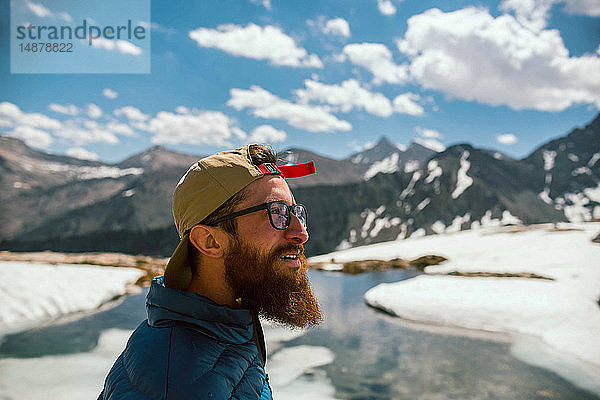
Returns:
<point x="290" y="256"/>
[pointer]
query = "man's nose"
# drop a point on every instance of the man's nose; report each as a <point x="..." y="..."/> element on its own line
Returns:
<point x="296" y="232"/>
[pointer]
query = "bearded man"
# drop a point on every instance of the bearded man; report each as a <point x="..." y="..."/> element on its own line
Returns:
<point x="240" y="256"/>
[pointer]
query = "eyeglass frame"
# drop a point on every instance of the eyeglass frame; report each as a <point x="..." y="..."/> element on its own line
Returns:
<point x="267" y="206"/>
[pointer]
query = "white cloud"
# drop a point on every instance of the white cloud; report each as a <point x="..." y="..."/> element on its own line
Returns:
<point x="584" y="7"/>
<point x="406" y="103"/>
<point x="264" y="104"/>
<point x="265" y="3"/>
<point x="377" y="59"/>
<point x="38" y="9"/>
<point x="350" y="95"/>
<point x="13" y="113"/>
<point x="38" y="129"/>
<point x="239" y="133"/>
<point x="469" y="54"/>
<point x="120" y="128"/>
<point x="386" y="7"/>
<point x="83" y="154"/>
<point x="43" y="12"/>
<point x="68" y="109"/>
<point x="535" y="13"/>
<point x="358" y="147"/>
<point x="196" y="128"/>
<point x="346" y="96"/>
<point x="86" y="131"/>
<point x="33" y="137"/>
<point x="93" y="111"/>
<point x="336" y="26"/>
<point x="260" y="43"/>
<point x="119" y="45"/>
<point x="507" y="139"/>
<point x="432" y="144"/>
<point x="428" y="133"/>
<point x="267" y="134"/>
<point x="131" y="113"/>
<point x="429" y="138"/>
<point x="111" y="94"/>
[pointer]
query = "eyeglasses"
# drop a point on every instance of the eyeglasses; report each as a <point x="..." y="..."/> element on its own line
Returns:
<point x="279" y="213"/>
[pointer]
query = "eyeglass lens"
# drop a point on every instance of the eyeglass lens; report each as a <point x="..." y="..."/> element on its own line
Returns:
<point x="280" y="214"/>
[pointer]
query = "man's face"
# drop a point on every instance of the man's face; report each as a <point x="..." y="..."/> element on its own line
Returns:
<point x="258" y="266"/>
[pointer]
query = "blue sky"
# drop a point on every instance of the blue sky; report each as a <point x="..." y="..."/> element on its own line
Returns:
<point x="331" y="77"/>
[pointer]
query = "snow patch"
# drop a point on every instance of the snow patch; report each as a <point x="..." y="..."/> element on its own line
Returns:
<point x="51" y="377"/>
<point x="549" y="157"/>
<point x="593" y="193"/>
<point x="387" y="166"/>
<point x="581" y="171"/>
<point x="576" y="211"/>
<point x="498" y="156"/>
<point x="434" y="170"/>
<point x="369" y="217"/>
<point x="30" y="293"/>
<point x="403" y="230"/>
<point x="463" y="181"/>
<point x="293" y="374"/>
<point x="411" y="185"/>
<point x="458" y="222"/>
<point x="573" y="157"/>
<point x="380" y="223"/>
<point x="509" y="219"/>
<point x="593" y="160"/>
<point x="352" y="236"/>
<point x="418" y="233"/>
<point x="438" y="227"/>
<point x="411" y="166"/>
<point x="423" y="204"/>
<point x="356" y="159"/>
<point x="487" y="220"/>
<point x="344" y="244"/>
<point x="85" y="173"/>
<point x="128" y="193"/>
<point x="545" y="195"/>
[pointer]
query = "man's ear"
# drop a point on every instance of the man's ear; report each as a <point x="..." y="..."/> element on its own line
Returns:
<point x="208" y="240"/>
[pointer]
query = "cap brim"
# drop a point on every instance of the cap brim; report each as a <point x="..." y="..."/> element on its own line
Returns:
<point x="178" y="273"/>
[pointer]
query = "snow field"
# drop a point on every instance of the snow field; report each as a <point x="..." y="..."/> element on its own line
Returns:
<point x="32" y="293"/>
<point x="562" y="312"/>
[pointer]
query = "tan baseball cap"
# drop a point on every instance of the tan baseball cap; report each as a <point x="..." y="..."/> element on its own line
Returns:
<point x="206" y="185"/>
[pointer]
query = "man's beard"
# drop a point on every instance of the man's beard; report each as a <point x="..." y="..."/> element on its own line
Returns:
<point x="276" y="292"/>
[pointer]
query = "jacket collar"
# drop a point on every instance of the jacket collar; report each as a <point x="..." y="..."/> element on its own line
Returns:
<point x="219" y="322"/>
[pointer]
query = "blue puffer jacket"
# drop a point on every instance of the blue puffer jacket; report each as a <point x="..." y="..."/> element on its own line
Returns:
<point x="189" y="348"/>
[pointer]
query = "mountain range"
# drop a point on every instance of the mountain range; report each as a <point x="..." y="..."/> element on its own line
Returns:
<point x="378" y="194"/>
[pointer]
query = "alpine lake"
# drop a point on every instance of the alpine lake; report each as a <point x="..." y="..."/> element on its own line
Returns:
<point x="376" y="356"/>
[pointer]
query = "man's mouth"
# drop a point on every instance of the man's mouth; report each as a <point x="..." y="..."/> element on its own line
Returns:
<point x="292" y="258"/>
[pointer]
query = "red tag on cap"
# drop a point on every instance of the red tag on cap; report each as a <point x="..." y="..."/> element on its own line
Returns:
<point x="288" y="171"/>
<point x="298" y="170"/>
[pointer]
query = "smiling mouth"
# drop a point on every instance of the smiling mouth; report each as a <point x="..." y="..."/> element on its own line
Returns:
<point x="290" y="257"/>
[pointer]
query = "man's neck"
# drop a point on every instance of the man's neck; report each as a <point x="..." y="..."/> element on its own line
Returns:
<point x="210" y="283"/>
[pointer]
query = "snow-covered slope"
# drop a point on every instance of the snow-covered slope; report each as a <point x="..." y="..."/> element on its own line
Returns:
<point x="33" y="293"/>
